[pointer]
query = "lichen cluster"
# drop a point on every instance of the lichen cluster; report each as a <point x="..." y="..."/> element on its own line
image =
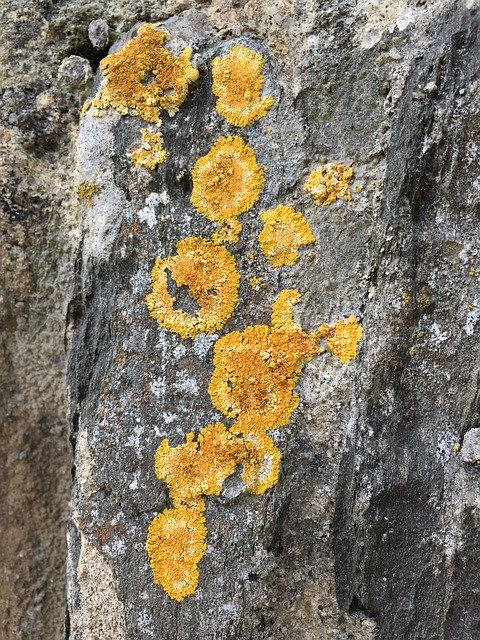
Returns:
<point x="144" y="78"/>
<point x="284" y="232"/>
<point x="227" y="181"/>
<point x="211" y="277"/>
<point x="238" y="82"/>
<point x="86" y="191"/>
<point x="151" y="152"/>
<point x="255" y="370"/>
<point x="176" y="544"/>
<point x="330" y="182"/>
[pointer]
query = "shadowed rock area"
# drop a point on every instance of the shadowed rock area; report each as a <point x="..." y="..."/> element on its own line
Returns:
<point x="372" y="530"/>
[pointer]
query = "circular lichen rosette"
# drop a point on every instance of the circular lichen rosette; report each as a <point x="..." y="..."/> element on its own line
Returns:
<point x="227" y="181"/>
<point x="211" y="277"/>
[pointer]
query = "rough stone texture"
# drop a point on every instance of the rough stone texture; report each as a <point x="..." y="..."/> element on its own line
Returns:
<point x="373" y="528"/>
<point x="471" y="447"/>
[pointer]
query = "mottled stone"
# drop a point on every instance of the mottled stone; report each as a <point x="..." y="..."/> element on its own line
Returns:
<point x="471" y="447"/>
<point x="75" y="71"/>
<point x="372" y="529"/>
<point x="98" y="33"/>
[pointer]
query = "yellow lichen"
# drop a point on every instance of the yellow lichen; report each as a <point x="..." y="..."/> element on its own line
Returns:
<point x="227" y="181"/>
<point x="284" y="232"/>
<point x="238" y="84"/>
<point x="262" y="465"/>
<point x="256" y="370"/>
<point x="342" y="338"/>
<point x="256" y="283"/>
<point x="175" y="546"/>
<point x="329" y="183"/>
<point x="86" y="191"/>
<point x="199" y="466"/>
<point x="151" y="152"/>
<point x="143" y="77"/>
<point x="211" y="277"/>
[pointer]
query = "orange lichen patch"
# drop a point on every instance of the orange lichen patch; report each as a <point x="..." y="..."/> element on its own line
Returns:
<point x="199" y="466"/>
<point x="211" y="277"/>
<point x="143" y="77"/>
<point x="262" y="465"/>
<point x="342" y="338"/>
<point x="256" y="370"/>
<point x="329" y="183"/>
<point x="227" y="181"/>
<point x="175" y="546"/>
<point x="151" y="152"/>
<point x="86" y="191"/>
<point x="238" y="84"/>
<point x="284" y="232"/>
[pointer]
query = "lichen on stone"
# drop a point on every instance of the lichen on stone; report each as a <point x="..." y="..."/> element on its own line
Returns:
<point x="342" y="338"/>
<point x="284" y="232"/>
<point x="86" y="191"/>
<point x="143" y="77"/>
<point x="198" y="467"/>
<point x="256" y="370"/>
<point x="227" y="181"/>
<point x="175" y="546"/>
<point x="238" y="82"/>
<point x="261" y="466"/>
<point x="151" y="152"/>
<point x="211" y="277"/>
<point x="256" y="283"/>
<point x="330" y="182"/>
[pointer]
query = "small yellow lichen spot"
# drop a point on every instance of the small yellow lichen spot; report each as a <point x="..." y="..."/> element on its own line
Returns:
<point x="175" y="546"/>
<point x="423" y="297"/>
<point x="199" y="466"/>
<point x="238" y="84"/>
<point x="262" y="465"/>
<point x="151" y="152"/>
<point x="226" y="182"/>
<point x="284" y="232"/>
<point x="86" y="191"/>
<point x="329" y="183"/>
<point x="256" y="283"/>
<point x="407" y="298"/>
<point x="211" y="277"/>
<point x="342" y="338"/>
<point x="144" y="78"/>
<point x="256" y="370"/>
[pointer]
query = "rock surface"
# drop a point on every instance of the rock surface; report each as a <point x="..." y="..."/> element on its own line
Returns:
<point x="372" y="530"/>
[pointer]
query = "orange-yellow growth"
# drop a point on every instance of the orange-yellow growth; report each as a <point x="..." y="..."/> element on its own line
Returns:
<point x="143" y="77"/>
<point x="256" y="370"/>
<point x="342" y="338"/>
<point x="238" y="82"/>
<point x="284" y="232"/>
<point x="175" y="546"/>
<point x="198" y="467"/>
<point x="329" y="183"/>
<point x="227" y="181"/>
<point x="211" y="277"/>
<point x="86" y="191"/>
<point x="261" y="467"/>
<point x="151" y="152"/>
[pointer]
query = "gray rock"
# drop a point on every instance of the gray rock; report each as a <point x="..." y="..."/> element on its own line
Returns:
<point x="75" y="71"/>
<point x="98" y="32"/>
<point x="471" y="447"/>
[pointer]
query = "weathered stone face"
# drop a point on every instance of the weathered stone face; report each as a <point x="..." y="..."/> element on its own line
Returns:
<point x="371" y="529"/>
<point x="362" y="449"/>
